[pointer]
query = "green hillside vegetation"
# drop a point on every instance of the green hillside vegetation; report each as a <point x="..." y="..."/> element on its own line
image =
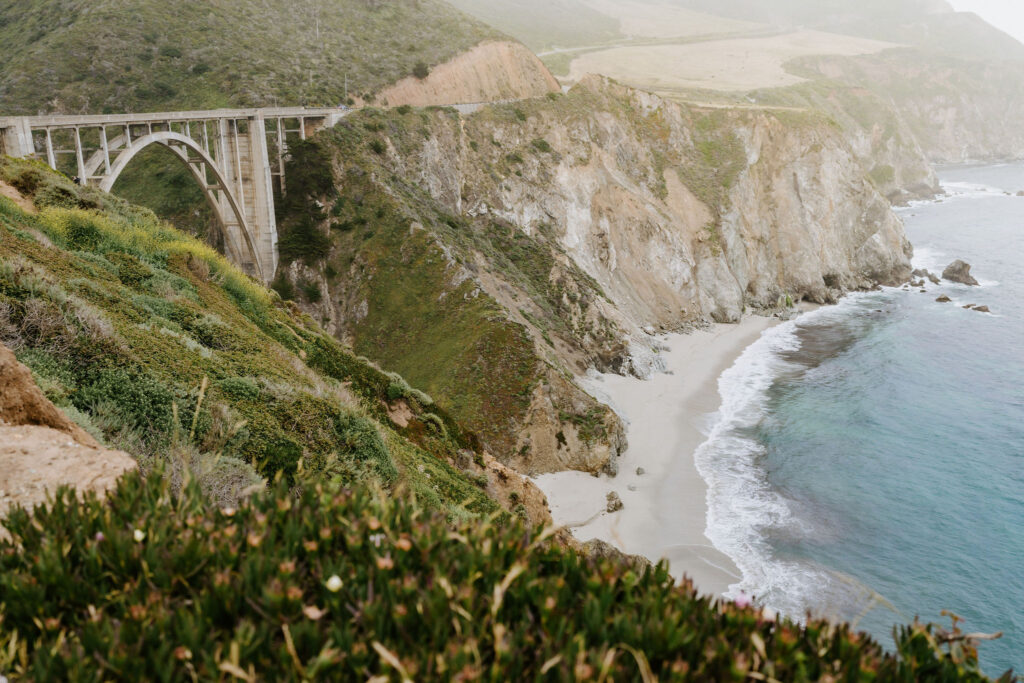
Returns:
<point x="156" y="345"/>
<point x="143" y="55"/>
<point x="327" y="584"/>
<point x="400" y="265"/>
<point x="65" y="56"/>
<point x="545" y="24"/>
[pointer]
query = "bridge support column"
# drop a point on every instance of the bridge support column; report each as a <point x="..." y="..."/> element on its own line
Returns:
<point x="262" y="218"/>
<point x="226" y="154"/>
<point x="17" y="139"/>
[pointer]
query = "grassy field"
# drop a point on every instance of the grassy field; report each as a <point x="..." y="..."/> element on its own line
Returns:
<point x="736" y="64"/>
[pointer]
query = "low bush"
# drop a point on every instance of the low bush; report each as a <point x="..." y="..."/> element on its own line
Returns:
<point x="326" y="584"/>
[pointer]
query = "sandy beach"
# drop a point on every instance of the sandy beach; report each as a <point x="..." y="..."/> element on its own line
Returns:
<point x="664" y="508"/>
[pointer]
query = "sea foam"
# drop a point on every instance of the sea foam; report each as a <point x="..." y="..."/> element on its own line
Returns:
<point x="743" y="507"/>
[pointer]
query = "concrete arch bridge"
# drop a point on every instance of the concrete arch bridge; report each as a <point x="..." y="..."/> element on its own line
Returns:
<point x="235" y="155"/>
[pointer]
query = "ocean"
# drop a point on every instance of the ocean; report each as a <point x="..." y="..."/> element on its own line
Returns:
<point x="868" y="459"/>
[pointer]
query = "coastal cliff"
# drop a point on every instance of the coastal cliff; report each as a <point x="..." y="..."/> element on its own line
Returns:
<point x="527" y="243"/>
<point x="952" y="110"/>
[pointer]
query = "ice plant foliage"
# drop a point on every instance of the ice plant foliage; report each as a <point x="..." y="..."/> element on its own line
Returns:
<point x="320" y="583"/>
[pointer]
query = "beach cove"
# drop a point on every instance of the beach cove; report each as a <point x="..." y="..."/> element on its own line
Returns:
<point x="664" y="513"/>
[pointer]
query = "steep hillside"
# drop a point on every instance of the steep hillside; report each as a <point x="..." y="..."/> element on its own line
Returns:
<point x="139" y="55"/>
<point x="545" y="24"/>
<point x="954" y="110"/>
<point x="489" y="72"/>
<point x="931" y="25"/>
<point x="584" y="220"/>
<point x="154" y="345"/>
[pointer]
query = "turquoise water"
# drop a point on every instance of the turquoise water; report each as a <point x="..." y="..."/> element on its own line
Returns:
<point x="868" y="460"/>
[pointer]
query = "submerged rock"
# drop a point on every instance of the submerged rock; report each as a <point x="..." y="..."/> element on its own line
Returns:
<point x="614" y="502"/>
<point x="943" y="299"/>
<point x="959" y="271"/>
<point x="982" y="309"/>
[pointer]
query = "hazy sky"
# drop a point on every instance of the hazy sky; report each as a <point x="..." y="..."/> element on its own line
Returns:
<point x="1007" y="15"/>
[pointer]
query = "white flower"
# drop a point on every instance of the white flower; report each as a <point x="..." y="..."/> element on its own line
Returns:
<point x="139" y="535"/>
<point x="334" y="583"/>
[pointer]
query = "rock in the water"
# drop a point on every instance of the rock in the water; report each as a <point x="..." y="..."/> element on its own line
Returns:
<point x="943" y="299"/>
<point x="969" y="306"/>
<point x="934" y="278"/>
<point x="982" y="309"/>
<point x="959" y="271"/>
<point x="1021" y="193"/>
<point x="614" y="502"/>
<point x="641" y="471"/>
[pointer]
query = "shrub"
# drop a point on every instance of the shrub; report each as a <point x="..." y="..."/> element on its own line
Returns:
<point x="81" y="232"/>
<point x="284" y="287"/>
<point x="377" y="146"/>
<point x="421" y="70"/>
<point x="240" y="388"/>
<point x="311" y="290"/>
<point x="332" y="585"/>
<point x="434" y="423"/>
<point x="362" y="441"/>
<point x="141" y="400"/>
<point x="541" y="145"/>
<point x="404" y="109"/>
<point x="279" y="455"/>
<point x="130" y="270"/>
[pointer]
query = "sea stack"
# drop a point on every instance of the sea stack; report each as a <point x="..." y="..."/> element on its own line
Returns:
<point x="959" y="271"/>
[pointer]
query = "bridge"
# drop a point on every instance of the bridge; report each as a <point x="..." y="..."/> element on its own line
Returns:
<point x="235" y="155"/>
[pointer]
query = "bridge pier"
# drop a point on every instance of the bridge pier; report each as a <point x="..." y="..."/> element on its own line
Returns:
<point x="17" y="139"/>
<point x="241" y="190"/>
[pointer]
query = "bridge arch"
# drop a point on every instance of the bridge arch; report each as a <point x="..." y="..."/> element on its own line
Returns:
<point x="233" y="154"/>
<point x="198" y="162"/>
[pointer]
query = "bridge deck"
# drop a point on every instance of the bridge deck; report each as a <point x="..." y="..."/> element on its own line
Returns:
<point x="64" y="121"/>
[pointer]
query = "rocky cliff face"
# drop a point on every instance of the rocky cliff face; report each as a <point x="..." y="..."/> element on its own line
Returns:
<point x="576" y="226"/>
<point x="954" y="110"/>
<point x="682" y="214"/>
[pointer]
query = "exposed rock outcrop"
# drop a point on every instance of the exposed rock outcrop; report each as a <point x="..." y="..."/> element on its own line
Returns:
<point x="22" y="403"/>
<point x="41" y="449"/>
<point x="959" y="271"/>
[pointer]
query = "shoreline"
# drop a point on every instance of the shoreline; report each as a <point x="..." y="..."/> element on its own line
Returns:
<point x="664" y="513"/>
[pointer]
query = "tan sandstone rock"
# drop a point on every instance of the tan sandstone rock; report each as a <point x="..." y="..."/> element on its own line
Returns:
<point x="41" y="449"/>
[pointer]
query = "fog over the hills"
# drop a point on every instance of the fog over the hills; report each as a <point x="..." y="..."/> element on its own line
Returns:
<point x="1007" y="15"/>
